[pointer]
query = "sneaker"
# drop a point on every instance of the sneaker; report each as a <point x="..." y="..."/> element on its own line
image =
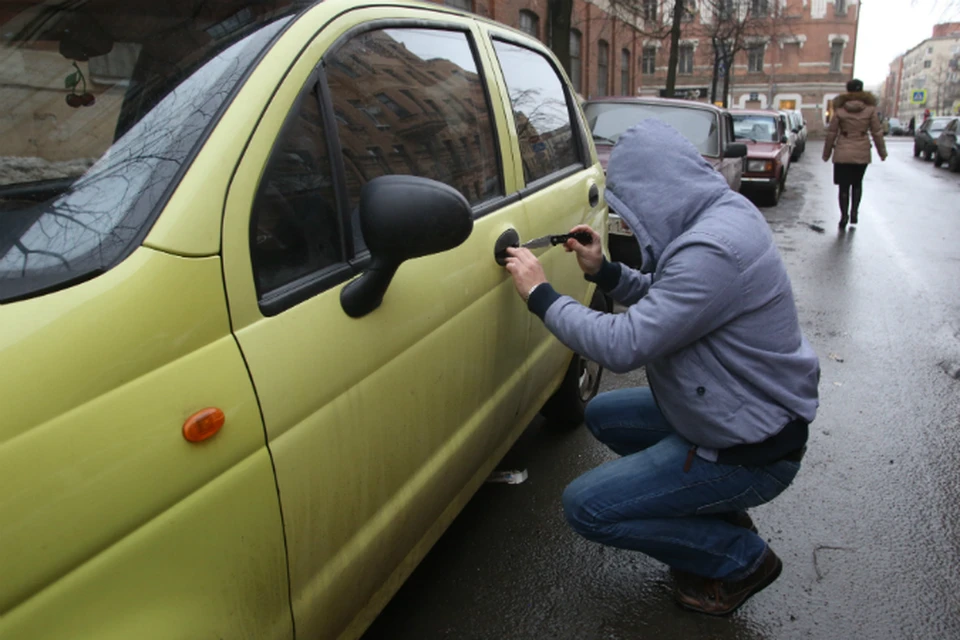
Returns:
<point x="723" y="597"/>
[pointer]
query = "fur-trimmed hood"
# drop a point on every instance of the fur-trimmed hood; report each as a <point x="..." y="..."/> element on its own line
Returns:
<point x="849" y="101"/>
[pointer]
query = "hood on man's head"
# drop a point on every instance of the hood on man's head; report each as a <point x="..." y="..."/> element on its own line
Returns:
<point x="659" y="184"/>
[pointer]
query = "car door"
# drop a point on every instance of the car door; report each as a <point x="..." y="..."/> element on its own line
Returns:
<point x="562" y="181"/>
<point x="947" y="140"/>
<point x="732" y="168"/>
<point x="380" y="427"/>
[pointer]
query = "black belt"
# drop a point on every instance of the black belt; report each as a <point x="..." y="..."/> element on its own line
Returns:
<point x="787" y="444"/>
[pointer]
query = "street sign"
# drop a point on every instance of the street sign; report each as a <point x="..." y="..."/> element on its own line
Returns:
<point x="918" y="96"/>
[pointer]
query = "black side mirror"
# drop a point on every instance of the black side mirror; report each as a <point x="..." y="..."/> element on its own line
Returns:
<point x="784" y="139"/>
<point x="736" y="150"/>
<point x="403" y="217"/>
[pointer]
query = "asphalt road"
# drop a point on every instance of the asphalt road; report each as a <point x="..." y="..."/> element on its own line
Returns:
<point x="870" y="531"/>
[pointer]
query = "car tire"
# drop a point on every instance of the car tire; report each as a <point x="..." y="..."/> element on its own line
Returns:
<point x="955" y="162"/>
<point x="937" y="160"/>
<point x="927" y="155"/>
<point x="916" y="151"/>
<point x="772" y="197"/>
<point x="565" y="408"/>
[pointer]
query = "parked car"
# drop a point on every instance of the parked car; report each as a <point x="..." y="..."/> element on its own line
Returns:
<point x="768" y="152"/>
<point x="256" y="350"/>
<point x="709" y="128"/>
<point x="793" y="140"/>
<point x="925" y="142"/>
<point x="948" y="147"/>
<point x="897" y="128"/>
<point x="799" y="127"/>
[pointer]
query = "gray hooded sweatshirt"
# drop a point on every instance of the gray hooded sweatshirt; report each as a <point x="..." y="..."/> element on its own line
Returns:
<point x="711" y="316"/>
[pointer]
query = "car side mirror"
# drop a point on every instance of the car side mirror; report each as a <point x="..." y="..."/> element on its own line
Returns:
<point x="736" y="150"/>
<point x="403" y="217"/>
<point x="784" y="139"/>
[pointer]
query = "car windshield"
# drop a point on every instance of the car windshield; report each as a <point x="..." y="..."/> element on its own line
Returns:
<point x="104" y="105"/>
<point x="754" y="127"/>
<point x="936" y="126"/>
<point x="608" y="120"/>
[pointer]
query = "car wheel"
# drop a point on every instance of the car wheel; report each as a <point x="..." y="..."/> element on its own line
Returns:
<point x="565" y="408"/>
<point x="955" y="162"/>
<point x="937" y="160"/>
<point x="916" y="151"/>
<point x="773" y="196"/>
<point x="927" y="155"/>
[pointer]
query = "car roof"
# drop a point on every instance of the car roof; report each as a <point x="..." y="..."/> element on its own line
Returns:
<point x="652" y="100"/>
<point x="754" y="112"/>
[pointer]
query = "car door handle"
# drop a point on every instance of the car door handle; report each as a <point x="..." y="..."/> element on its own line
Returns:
<point x="593" y="196"/>
<point x="509" y="238"/>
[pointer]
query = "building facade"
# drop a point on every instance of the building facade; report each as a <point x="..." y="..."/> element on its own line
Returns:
<point x="927" y="76"/>
<point x="802" y="62"/>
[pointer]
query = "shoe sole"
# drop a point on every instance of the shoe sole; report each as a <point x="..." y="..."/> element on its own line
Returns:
<point x="760" y="587"/>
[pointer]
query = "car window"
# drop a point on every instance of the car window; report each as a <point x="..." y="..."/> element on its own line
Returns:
<point x="412" y="101"/>
<point x="295" y="226"/>
<point x="541" y="111"/>
<point x="102" y="113"/>
<point x="756" y="128"/>
<point x="609" y="120"/>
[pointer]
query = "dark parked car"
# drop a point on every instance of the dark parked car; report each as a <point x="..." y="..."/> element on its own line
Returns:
<point x="897" y="128"/>
<point x="799" y="127"/>
<point x="948" y="147"/>
<point x="709" y="128"/>
<point x="768" y="152"/>
<point x="925" y="142"/>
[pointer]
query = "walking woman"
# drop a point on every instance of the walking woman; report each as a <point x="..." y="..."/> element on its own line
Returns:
<point x="854" y="115"/>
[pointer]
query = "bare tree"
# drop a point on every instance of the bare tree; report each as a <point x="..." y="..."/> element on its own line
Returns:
<point x="657" y="19"/>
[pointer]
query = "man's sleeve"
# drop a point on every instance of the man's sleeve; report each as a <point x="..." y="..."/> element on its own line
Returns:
<point x="623" y="284"/>
<point x="698" y="292"/>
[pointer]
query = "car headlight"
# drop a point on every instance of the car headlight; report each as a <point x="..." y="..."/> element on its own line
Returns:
<point x="759" y="166"/>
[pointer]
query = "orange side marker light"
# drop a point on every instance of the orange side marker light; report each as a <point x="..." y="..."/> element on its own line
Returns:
<point x="203" y="424"/>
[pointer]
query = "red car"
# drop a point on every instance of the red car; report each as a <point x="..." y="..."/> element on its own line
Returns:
<point x="768" y="152"/>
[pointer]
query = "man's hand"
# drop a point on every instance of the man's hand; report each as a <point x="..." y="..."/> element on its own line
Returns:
<point x="589" y="257"/>
<point x="526" y="270"/>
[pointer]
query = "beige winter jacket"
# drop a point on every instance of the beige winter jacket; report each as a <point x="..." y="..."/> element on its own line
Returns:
<point x="854" y="115"/>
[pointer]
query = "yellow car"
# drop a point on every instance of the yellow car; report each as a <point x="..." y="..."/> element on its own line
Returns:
<point x="255" y="348"/>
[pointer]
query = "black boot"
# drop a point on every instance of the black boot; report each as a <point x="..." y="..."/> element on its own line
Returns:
<point x="857" y="193"/>
<point x="844" y="206"/>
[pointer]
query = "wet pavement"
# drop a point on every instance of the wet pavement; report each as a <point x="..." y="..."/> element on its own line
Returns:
<point x="870" y="531"/>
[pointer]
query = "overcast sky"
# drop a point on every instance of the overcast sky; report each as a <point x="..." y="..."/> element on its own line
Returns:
<point x="891" y="27"/>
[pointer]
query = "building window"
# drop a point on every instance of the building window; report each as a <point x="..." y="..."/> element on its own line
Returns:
<point x="625" y="72"/>
<point x="725" y="10"/>
<point x="759" y="8"/>
<point x="836" y="56"/>
<point x="650" y="9"/>
<point x="603" y="66"/>
<point x="927" y="64"/>
<point x="689" y="9"/>
<point x="648" y="63"/>
<point x="466" y="5"/>
<point x="530" y="23"/>
<point x="755" y="58"/>
<point x="841" y="7"/>
<point x="575" y="68"/>
<point x="685" y="64"/>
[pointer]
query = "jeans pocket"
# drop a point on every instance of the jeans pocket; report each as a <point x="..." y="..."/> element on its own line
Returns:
<point x="781" y="474"/>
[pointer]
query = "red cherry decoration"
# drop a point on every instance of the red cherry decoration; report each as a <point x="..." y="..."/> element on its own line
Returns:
<point x="87" y="99"/>
<point x="74" y="100"/>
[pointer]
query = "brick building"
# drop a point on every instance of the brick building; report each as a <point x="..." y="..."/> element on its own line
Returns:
<point x="803" y="63"/>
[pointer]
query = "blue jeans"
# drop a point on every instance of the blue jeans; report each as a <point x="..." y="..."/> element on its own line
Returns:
<point x="645" y="501"/>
